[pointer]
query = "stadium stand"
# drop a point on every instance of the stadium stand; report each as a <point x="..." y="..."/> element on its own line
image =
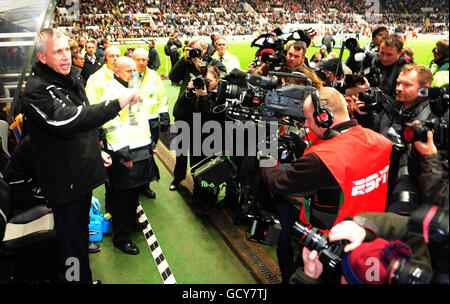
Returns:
<point x="154" y="18"/>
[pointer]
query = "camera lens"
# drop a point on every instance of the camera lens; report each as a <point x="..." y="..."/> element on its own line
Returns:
<point x="413" y="133"/>
<point x="195" y="52"/>
<point x="401" y="272"/>
<point x="199" y="83"/>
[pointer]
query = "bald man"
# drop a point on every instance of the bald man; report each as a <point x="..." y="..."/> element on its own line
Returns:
<point x="329" y="168"/>
<point x="128" y="141"/>
<point x="342" y="174"/>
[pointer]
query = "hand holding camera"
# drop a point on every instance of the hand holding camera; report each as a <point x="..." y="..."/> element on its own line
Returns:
<point x="199" y="86"/>
<point x="350" y="231"/>
<point x="425" y="148"/>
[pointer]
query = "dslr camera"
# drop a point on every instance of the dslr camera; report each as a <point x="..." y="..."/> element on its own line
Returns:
<point x="438" y="126"/>
<point x="200" y="83"/>
<point x="195" y="52"/>
<point x="330" y="253"/>
<point x="373" y="98"/>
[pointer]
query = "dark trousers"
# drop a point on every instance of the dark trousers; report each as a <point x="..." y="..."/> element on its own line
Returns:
<point x="179" y="171"/>
<point x="287" y="214"/>
<point x="72" y="237"/>
<point x="123" y="211"/>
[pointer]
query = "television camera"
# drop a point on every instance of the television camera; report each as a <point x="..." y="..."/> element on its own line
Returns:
<point x="362" y="64"/>
<point x="271" y="45"/>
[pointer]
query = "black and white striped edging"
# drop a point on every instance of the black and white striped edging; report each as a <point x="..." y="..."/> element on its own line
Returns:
<point x="158" y="256"/>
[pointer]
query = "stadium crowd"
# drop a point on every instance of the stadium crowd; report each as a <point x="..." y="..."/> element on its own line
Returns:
<point x="123" y="19"/>
<point x="88" y="99"/>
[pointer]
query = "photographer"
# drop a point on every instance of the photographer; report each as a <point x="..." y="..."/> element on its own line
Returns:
<point x="198" y="98"/>
<point x="390" y="61"/>
<point x="172" y="49"/>
<point x="384" y="236"/>
<point x="390" y="122"/>
<point x="294" y="62"/>
<point x="194" y="63"/>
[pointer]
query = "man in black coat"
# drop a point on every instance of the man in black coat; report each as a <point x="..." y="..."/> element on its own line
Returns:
<point x="153" y="56"/>
<point x="391" y="60"/>
<point x="65" y="148"/>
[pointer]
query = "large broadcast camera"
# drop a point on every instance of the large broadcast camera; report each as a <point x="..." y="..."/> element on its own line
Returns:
<point x="271" y="45"/>
<point x="263" y="98"/>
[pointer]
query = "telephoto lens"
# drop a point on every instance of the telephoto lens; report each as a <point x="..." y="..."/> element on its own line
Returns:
<point x="402" y="272"/>
<point x="330" y="253"/>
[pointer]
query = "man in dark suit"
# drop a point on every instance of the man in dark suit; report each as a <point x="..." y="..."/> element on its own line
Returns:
<point x="91" y="62"/>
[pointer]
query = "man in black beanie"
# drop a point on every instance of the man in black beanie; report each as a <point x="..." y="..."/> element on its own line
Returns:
<point x="378" y="35"/>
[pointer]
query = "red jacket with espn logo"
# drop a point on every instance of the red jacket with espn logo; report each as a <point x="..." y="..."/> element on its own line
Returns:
<point x="359" y="161"/>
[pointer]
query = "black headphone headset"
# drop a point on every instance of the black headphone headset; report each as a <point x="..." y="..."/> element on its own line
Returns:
<point x="322" y="115"/>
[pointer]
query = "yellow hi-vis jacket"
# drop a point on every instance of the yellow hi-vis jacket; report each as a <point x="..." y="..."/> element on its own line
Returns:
<point x="130" y="127"/>
<point x="153" y="94"/>
<point x="97" y="82"/>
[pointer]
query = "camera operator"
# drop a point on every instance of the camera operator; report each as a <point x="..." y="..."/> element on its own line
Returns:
<point x="319" y="173"/>
<point x="197" y="99"/>
<point x="194" y="62"/>
<point x="390" y="123"/>
<point x="295" y="62"/>
<point x="380" y="235"/>
<point x="390" y="61"/>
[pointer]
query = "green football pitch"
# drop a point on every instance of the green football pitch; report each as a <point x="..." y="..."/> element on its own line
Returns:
<point x="246" y="54"/>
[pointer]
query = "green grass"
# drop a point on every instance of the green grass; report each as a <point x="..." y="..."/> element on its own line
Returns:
<point x="246" y="54"/>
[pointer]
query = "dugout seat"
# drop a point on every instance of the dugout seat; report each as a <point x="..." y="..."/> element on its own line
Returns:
<point x="28" y="241"/>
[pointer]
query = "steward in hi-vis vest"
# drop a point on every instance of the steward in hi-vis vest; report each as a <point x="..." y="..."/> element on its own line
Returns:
<point x="128" y="141"/>
<point x="97" y="82"/>
<point x="153" y="94"/>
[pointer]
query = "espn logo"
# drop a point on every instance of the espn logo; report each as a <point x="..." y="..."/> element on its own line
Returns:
<point x="368" y="184"/>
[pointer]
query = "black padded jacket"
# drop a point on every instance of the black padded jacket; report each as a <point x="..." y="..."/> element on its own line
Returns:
<point x="62" y="128"/>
